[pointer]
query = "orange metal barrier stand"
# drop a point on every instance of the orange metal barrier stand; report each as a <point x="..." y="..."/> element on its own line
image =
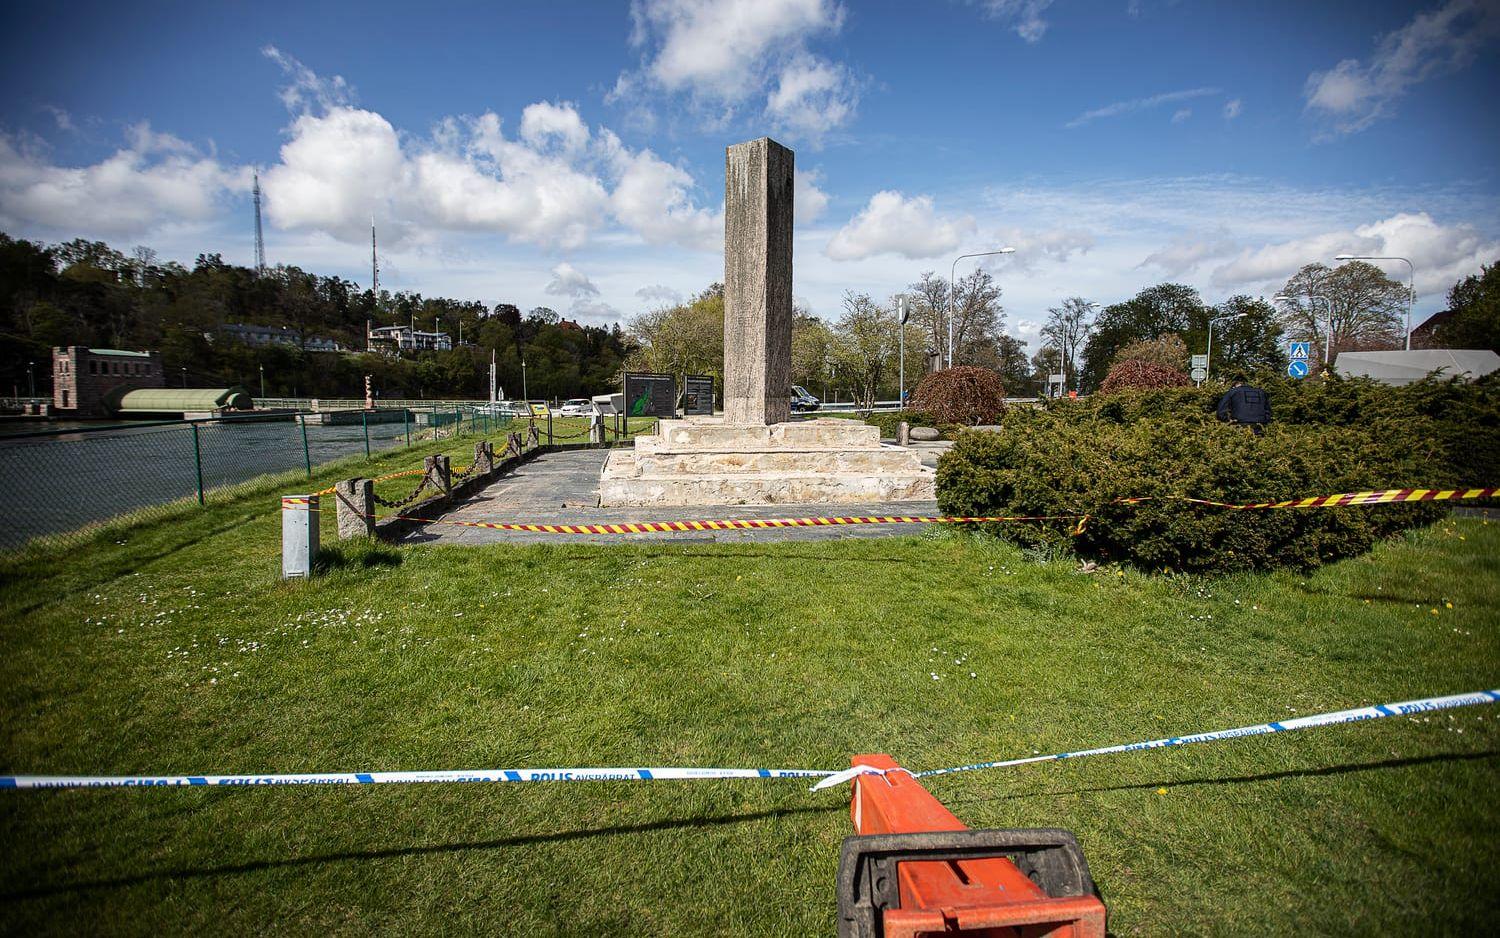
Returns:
<point x="913" y="869"/>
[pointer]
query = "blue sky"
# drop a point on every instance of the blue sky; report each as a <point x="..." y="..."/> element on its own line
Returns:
<point x="571" y="154"/>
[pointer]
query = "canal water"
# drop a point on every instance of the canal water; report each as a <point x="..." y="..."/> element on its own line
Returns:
<point x="58" y="483"/>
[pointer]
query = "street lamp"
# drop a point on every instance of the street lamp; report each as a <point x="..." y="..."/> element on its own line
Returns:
<point x="31" y="377"/>
<point x="1411" y="292"/>
<point x="1210" y="355"/>
<point x="1328" y="303"/>
<point x="262" y="381"/>
<point x="524" y="396"/>
<point x="1065" y="352"/>
<point x="953" y="291"/>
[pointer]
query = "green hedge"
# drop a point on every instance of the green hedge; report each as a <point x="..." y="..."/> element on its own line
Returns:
<point x="1082" y="459"/>
<point x="1462" y="419"/>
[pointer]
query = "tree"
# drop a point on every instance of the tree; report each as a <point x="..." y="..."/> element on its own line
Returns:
<point x="929" y="310"/>
<point x="1168" y="351"/>
<point x="1151" y="313"/>
<point x="680" y="340"/>
<point x="1366" y="307"/>
<point x="1475" y="304"/>
<point x="1066" y="329"/>
<point x="1250" y="342"/>
<point x="1013" y="366"/>
<point x="812" y="349"/>
<point x="978" y="317"/>
<point x="864" y="346"/>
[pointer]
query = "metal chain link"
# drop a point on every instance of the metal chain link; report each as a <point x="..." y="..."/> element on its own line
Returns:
<point x="403" y="502"/>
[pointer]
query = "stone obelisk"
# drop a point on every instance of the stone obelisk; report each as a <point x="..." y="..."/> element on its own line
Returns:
<point x="758" y="184"/>
<point x="755" y="454"/>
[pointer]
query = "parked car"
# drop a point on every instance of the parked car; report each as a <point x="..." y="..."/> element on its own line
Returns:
<point x="516" y="410"/>
<point x="803" y="402"/>
<point x="577" y="407"/>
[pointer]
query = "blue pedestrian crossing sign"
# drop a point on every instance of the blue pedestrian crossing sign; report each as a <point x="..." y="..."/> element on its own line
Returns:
<point x="1297" y="368"/>
<point x="1301" y="350"/>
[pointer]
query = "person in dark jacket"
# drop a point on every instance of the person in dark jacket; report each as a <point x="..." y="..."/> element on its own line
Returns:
<point x="1245" y="404"/>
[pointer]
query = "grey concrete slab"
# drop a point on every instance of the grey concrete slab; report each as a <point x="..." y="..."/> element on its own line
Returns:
<point x="562" y="488"/>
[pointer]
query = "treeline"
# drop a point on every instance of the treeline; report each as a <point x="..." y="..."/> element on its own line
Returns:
<point x="87" y="293"/>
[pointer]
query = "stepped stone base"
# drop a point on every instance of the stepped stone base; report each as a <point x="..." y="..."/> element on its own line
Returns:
<point x="706" y="461"/>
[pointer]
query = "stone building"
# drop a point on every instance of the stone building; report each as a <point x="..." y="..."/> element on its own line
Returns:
<point x="82" y="377"/>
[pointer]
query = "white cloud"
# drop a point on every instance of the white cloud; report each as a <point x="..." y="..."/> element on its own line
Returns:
<point x="305" y="90"/>
<point x="1139" y="104"/>
<point x="1024" y="16"/>
<point x="1182" y="114"/>
<point x="808" y="200"/>
<point x="1353" y="95"/>
<point x="721" y="55"/>
<point x="1232" y="108"/>
<point x="542" y="123"/>
<point x="154" y="179"/>
<point x="812" y="95"/>
<point x="659" y="295"/>
<point x="569" y="281"/>
<point x="556" y="183"/>
<point x="653" y="197"/>
<point x="1036" y="246"/>
<point x="894" y="224"/>
<point x="1186" y="253"/>
<point x="1440" y="253"/>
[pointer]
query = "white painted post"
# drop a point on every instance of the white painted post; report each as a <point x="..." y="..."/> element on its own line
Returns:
<point x="299" y="535"/>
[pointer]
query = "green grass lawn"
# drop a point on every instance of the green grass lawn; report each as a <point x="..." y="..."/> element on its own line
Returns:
<point x="179" y="651"/>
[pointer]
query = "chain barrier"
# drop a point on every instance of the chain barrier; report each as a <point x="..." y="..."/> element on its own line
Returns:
<point x="411" y="497"/>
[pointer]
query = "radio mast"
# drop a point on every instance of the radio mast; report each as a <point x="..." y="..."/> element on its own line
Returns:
<point x="374" y="266"/>
<point x="260" y="238"/>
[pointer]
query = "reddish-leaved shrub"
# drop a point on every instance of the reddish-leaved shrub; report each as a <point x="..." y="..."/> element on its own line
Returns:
<point x="964" y="395"/>
<point x="1138" y="374"/>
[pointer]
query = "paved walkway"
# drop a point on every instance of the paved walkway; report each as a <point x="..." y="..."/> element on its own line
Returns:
<point x="563" y="488"/>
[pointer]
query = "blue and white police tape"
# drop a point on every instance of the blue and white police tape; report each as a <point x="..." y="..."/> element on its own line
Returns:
<point x="1403" y="708"/>
<point x="666" y="773"/>
<point x="678" y="773"/>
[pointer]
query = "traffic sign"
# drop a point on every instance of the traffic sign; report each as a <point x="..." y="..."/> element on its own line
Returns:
<point x="1200" y="361"/>
<point x="1301" y="350"/>
<point x="1199" y="374"/>
<point x="1297" y="368"/>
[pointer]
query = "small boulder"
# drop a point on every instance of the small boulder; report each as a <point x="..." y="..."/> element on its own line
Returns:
<point x="925" y="434"/>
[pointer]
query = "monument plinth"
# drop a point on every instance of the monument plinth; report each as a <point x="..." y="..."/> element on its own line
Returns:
<point x="753" y="454"/>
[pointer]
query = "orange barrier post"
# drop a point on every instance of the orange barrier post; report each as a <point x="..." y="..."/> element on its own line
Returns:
<point x="913" y="869"/>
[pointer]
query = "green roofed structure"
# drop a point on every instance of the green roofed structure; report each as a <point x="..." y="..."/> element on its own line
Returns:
<point x="177" y="401"/>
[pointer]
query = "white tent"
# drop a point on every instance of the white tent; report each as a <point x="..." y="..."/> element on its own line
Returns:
<point x="1408" y="367"/>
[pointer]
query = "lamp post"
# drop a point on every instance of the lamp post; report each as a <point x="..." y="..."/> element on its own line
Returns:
<point x="1065" y="352"/>
<point x="903" y="311"/>
<point x="262" y="381"/>
<point x="1411" y="290"/>
<point x="31" y="377"/>
<point x="524" y="396"/>
<point x="953" y="291"/>
<point x="1328" y="304"/>
<point x="184" y="376"/>
<point x="1210" y="354"/>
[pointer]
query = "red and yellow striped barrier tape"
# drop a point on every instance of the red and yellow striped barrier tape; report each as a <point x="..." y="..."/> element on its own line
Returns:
<point x="385" y="478"/>
<point x="1378" y="497"/>
<point x="659" y="527"/>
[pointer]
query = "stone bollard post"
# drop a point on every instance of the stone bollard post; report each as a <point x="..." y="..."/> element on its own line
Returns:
<point x="356" y="498"/>
<point x="299" y="535"/>
<point x="439" y="473"/>
<point x="596" y="429"/>
<point x="513" y="447"/>
<point x="903" y="433"/>
<point x="484" y="457"/>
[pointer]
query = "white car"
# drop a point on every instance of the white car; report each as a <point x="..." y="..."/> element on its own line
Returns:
<point x="577" y="407"/>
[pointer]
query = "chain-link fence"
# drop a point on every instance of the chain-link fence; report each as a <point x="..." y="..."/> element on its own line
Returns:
<point x="62" y="483"/>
